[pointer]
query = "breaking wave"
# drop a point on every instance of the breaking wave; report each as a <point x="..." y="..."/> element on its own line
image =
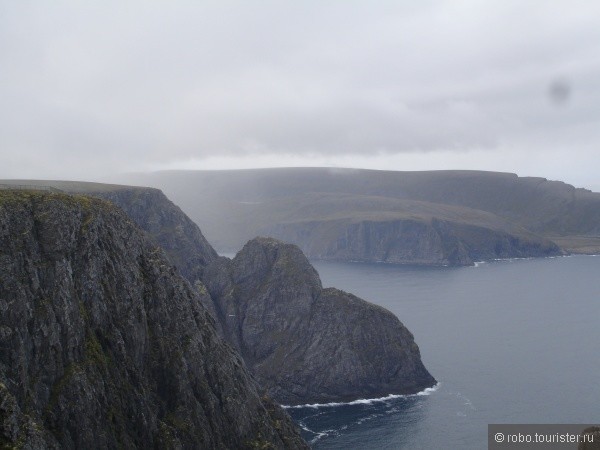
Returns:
<point x="367" y="401"/>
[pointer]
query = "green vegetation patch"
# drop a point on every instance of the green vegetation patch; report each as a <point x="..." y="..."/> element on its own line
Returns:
<point x="94" y="354"/>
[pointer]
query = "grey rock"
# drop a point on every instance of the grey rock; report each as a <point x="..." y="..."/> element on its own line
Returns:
<point x="104" y="345"/>
<point x="164" y="222"/>
<point x="181" y="238"/>
<point x="270" y="306"/>
<point x="306" y="344"/>
<point x="269" y="301"/>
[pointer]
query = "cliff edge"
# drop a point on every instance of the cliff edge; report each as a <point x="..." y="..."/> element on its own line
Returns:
<point x="104" y="345"/>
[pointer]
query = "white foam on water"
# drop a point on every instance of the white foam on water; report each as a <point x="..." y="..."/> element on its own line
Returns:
<point x="317" y="434"/>
<point x="535" y="257"/>
<point x="528" y="258"/>
<point x="427" y="391"/>
<point x="366" y="419"/>
<point x="517" y="259"/>
<point x="320" y="435"/>
<point x="367" y="401"/>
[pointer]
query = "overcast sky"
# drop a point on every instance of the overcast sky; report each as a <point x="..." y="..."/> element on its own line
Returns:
<point x="91" y="88"/>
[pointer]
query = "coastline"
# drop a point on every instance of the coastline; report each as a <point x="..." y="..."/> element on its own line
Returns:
<point x="363" y="401"/>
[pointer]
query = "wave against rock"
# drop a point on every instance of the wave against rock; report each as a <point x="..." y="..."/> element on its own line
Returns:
<point x="306" y="344"/>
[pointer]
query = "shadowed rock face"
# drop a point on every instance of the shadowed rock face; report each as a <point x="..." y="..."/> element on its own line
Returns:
<point x="152" y="211"/>
<point x="104" y="345"/>
<point x="434" y="242"/>
<point x="270" y="305"/>
<point x="277" y="294"/>
<point x="169" y="227"/>
<point x="181" y="238"/>
<point x="306" y="344"/>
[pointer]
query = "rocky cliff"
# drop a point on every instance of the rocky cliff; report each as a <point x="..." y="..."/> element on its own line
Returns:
<point x="104" y="345"/>
<point x="410" y="241"/>
<point x="181" y="238"/>
<point x="294" y="363"/>
<point x="306" y="344"/>
<point x="246" y="203"/>
<point x="294" y="368"/>
<point x="151" y="210"/>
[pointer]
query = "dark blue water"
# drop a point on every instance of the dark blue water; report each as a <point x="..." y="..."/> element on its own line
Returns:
<point x="510" y="342"/>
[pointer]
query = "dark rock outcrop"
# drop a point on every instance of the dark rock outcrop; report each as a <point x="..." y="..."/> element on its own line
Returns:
<point x="266" y="339"/>
<point x="181" y="238"/>
<point x="307" y="344"/>
<point x="164" y="222"/>
<point x="104" y="345"/>
<point x="151" y="210"/>
<point x="294" y="289"/>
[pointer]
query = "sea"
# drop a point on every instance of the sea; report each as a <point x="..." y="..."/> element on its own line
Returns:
<point x="515" y="341"/>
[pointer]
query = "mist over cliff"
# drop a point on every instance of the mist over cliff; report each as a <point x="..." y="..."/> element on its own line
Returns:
<point x="433" y="218"/>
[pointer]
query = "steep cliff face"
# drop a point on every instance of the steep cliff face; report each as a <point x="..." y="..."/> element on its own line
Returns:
<point x="410" y="241"/>
<point x="104" y="345"/>
<point x="288" y="337"/>
<point x="168" y="226"/>
<point x="273" y="337"/>
<point x="426" y="241"/>
<point x="152" y="211"/>
<point x="181" y="238"/>
<point x="304" y="343"/>
<point x="243" y="203"/>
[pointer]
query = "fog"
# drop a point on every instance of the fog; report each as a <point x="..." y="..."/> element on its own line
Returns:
<point x="91" y="89"/>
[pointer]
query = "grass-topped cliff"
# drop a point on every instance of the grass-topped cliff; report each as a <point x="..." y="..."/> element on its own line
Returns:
<point x="150" y="209"/>
<point x="456" y="216"/>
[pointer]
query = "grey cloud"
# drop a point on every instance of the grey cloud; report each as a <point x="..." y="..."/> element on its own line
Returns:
<point x="94" y="87"/>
